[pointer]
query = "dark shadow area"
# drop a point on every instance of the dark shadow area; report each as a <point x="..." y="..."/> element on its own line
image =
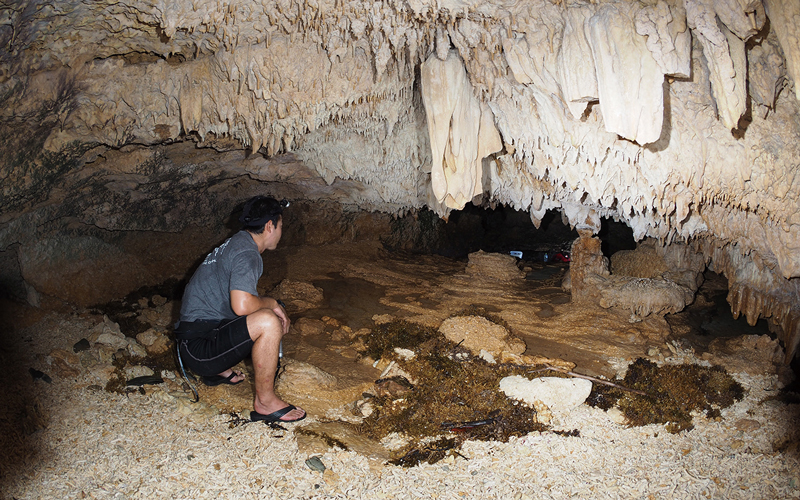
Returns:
<point x="126" y="311"/>
<point x="709" y="320"/>
<point x="709" y="317"/>
<point x="20" y="412"/>
<point x="353" y="301"/>
<point x="501" y="229"/>
<point x="615" y="236"/>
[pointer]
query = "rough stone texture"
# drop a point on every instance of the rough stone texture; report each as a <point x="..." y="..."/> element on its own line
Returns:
<point x="298" y="296"/>
<point x="304" y="378"/>
<point x="64" y="363"/>
<point x="642" y="296"/>
<point x="644" y="262"/>
<point x="108" y="334"/>
<point x="587" y="262"/>
<point x="649" y="280"/>
<point x="477" y="333"/>
<point x="154" y="342"/>
<point x="308" y="326"/>
<point x="753" y="354"/>
<point x="119" y="119"/>
<point x="493" y="266"/>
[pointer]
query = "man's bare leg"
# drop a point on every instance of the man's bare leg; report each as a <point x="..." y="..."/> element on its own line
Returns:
<point x="266" y="331"/>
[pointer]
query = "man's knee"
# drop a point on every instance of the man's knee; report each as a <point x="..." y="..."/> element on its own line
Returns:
<point x="263" y="321"/>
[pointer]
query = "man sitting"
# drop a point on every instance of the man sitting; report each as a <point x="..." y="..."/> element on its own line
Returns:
<point x="223" y="319"/>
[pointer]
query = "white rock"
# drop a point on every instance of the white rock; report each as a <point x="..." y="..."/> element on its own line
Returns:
<point x="394" y="441"/>
<point x="137" y="371"/>
<point x="615" y="415"/>
<point x="487" y="356"/>
<point x="135" y="349"/>
<point x="112" y="340"/>
<point x="108" y="333"/>
<point x="406" y="354"/>
<point x="559" y="394"/>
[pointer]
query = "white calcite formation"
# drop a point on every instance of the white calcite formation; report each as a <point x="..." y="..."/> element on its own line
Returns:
<point x="558" y="394"/>
<point x="678" y="117"/>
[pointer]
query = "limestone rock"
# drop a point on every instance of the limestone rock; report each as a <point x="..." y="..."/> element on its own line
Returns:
<point x="753" y="354"/>
<point x="668" y="37"/>
<point x="154" y="341"/>
<point x="643" y="296"/>
<point x="461" y="129"/>
<point x="478" y="334"/>
<point x="135" y="350"/>
<point x="629" y="79"/>
<point x="303" y="378"/>
<point x="785" y="16"/>
<point x="494" y="266"/>
<point x="587" y="261"/>
<point x="298" y="295"/>
<point x="558" y="394"/>
<point x="109" y="334"/>
<point x="579" y="87"/>
<point x="308" y="326"/>
<point x="64" y="363"/>
<point x="649" y="280"/>
<point x="560" y="106"/>
<point x="644" y="262"/>
<point x="160" y="316"/>
<point x="134" y="371"/>
<point x="317" y="438"/>
<point x="101" y="374"/>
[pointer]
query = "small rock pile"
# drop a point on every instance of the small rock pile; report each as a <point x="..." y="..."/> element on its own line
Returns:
<point x="110" y="359"/>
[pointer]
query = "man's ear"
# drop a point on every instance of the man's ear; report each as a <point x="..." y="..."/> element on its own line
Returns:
<point x="269" y="226"/>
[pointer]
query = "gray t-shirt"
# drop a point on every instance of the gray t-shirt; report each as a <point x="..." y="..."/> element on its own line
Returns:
<point x="234" y="265"/>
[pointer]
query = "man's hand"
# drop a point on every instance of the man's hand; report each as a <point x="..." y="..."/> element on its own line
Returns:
<point x="281" y="313"/>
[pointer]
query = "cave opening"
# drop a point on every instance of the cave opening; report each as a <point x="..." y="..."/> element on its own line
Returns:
<point x="499" y="229"/>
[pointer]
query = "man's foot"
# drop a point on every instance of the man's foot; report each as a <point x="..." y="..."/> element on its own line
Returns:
<point x="287" y="414"/>
<point x="227" y="377"/>
<point x="281" y="411"/>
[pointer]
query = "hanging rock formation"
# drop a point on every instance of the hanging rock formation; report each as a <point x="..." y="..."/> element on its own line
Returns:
<point x="678" y="117"/>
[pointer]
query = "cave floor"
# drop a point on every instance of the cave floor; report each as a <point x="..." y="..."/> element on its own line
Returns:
<point x="364" y="283"/>
<point x="69" y="438"/>
<point x="426" y="290"/>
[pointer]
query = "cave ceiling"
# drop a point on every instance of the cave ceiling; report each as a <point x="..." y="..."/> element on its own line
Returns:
<point x="679" y="118"/>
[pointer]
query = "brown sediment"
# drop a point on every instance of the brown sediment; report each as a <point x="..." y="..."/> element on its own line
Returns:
<point x="453" y="391"/>
<point x="673" y="393"/>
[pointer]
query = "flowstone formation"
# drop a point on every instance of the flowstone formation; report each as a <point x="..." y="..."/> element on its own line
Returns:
<point x="678" y="117"/>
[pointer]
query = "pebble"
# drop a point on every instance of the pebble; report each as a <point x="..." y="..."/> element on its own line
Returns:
<point x="315" y="463"/>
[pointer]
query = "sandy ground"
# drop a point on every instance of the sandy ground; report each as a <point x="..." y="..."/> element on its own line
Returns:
<point x="70" y="439"/>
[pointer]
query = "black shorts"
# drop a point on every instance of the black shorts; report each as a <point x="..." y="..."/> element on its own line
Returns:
<point x="213" y="347"/>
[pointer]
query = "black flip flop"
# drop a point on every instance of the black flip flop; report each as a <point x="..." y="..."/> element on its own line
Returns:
<point x="275" y="416"/>
<point x="213" y="380"/>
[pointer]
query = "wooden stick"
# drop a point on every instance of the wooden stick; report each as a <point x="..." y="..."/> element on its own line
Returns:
<point x="587" y="377"/>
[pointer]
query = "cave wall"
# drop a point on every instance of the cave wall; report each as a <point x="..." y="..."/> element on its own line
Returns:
<point x="678" y="117"/>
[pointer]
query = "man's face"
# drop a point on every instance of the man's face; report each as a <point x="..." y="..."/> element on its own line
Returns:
<point x="274" y="234"/>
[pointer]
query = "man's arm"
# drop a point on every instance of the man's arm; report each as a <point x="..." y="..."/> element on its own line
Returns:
<point x="245" y="303"/>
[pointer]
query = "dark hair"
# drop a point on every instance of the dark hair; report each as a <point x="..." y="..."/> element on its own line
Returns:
<point x="258" y="211"/>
